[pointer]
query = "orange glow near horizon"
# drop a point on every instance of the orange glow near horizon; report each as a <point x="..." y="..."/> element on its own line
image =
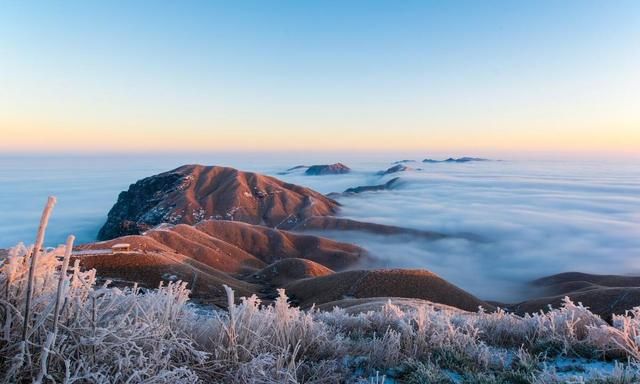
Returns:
<point x="76" y="138"/>
<point x="422" y="76"/>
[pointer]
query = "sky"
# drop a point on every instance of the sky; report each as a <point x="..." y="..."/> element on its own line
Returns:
<point x="470" y="77"/>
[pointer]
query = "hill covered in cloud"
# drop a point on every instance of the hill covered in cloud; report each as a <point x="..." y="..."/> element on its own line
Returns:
<point x="532" y="219"/>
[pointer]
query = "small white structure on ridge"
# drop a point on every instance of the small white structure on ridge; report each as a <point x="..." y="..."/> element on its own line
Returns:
<point x="120" y="247"/>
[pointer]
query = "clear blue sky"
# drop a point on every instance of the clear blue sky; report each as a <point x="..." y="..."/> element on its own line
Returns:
<point x="163" y="75"/>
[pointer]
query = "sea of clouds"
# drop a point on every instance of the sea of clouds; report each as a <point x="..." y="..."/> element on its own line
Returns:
<point x="535" y="218"/>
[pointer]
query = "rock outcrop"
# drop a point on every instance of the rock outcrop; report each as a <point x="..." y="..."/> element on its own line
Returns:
<point x="193" y="193"/>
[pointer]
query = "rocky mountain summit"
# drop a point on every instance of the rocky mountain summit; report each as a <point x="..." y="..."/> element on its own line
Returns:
<point x="192" y="193"/>
<point x="211" y="225"/>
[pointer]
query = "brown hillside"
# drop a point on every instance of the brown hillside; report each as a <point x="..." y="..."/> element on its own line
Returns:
<point x="150" y="269"/>
<point x="419" y="284"/>
<point x="206" y="249"/>
<point x="234" y="247"/>
<point x="285" y="271"/>
<point x="191" y="193"/>
<point x="270" y="245"/>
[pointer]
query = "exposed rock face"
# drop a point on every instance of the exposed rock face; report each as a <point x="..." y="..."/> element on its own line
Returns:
<point x="374" y="188"/>
<point x="193" y="193"/>
<point x="603" y="294"/>
<point x="327" y="169"/>
<point x="407" y="283"/>
<point x="454" y="160"/>
<point x="141" y="206"/>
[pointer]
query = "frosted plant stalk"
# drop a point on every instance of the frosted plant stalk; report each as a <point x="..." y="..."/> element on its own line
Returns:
<point x="44" y="220"/>
<point x="61" y="281"/>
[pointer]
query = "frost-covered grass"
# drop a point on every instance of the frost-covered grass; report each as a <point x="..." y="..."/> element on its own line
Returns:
<point x="128" y="335"/>
<point x="78" y="331"/>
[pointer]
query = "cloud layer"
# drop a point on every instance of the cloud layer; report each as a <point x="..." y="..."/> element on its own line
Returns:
<point x="537" y="218"/>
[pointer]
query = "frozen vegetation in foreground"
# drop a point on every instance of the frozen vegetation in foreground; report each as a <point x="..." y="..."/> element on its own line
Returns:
<point x="80" y="332"/>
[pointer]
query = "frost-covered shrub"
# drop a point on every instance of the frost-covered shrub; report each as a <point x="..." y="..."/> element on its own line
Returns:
<point x="565" y="330"/>
<point x="113" y="335"/>
<point x="104" y="334"/>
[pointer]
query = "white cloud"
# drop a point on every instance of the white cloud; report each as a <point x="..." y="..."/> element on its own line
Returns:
<point x="538" y="219"/>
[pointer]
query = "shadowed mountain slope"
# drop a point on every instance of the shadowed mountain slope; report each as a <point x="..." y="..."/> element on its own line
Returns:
<point x="603" y="294"/>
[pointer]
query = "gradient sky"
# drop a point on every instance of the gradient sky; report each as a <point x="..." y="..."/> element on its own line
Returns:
<point x="328" y="75"/>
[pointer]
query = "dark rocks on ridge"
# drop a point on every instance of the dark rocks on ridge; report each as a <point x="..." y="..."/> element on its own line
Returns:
<point x="192" y="193"/>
